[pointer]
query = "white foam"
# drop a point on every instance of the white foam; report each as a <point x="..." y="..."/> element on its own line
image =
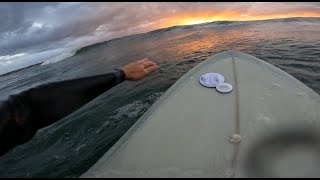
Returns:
<point x="81" y="146"/>
<point x="106" y="123"/>
<point x="68" y="53"/>
<point x="98" y="131"/>
<point x="3" y="59"/>
<point x="10" y="63"/>
<point x="131" y="110"/>
<point x="155" y="96"/>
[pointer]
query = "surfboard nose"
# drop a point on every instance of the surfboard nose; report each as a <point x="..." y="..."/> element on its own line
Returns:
<point x="186" y="132"/>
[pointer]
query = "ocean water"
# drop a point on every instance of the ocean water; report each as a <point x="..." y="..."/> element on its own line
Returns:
<point x="72" y="145"/>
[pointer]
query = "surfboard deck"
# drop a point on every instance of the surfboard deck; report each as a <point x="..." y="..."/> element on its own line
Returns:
<point x="186" y="132"/>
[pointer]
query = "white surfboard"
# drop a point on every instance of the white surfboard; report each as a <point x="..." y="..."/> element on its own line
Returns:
<point x="197" y="131"/>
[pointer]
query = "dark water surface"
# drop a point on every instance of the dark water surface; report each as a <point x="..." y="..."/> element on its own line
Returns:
<point x="72" y="145"/>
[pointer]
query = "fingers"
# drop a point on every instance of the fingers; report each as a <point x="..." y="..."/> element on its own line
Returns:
<point x="152" y="68"/>
<point x="148" y="63"/>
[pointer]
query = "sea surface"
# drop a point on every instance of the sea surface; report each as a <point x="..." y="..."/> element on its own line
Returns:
<point x="72" y="145"/>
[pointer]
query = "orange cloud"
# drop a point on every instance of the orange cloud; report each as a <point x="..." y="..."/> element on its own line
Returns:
<point x="229" y="16"/>
<point x="195" y="13"/>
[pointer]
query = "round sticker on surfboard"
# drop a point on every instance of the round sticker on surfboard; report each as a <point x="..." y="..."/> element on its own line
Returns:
<point x="224" y="87"/>
<point x="211" y="79"/>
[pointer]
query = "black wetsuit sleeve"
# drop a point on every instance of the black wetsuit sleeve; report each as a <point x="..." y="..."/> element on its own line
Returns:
<point x="23" y="114"/>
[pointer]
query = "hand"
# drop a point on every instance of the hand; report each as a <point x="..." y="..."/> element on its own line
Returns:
<point x="139" y="69"/>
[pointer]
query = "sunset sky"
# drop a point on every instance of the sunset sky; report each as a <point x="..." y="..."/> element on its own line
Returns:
<point x="41" y="26"/>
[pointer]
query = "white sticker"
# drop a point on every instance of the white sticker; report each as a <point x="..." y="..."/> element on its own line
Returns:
<point x="224" y="87"/>
<point x="211" y="79"/>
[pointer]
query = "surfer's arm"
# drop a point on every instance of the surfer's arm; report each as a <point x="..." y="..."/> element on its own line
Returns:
<point x="23" y="114"/>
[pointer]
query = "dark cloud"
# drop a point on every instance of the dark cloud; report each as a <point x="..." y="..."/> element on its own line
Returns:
<point x="39" y="25"/>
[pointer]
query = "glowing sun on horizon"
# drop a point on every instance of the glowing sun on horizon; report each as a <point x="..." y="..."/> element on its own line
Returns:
<point x="199" y="21"/>
<point x="192" y="21"/>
